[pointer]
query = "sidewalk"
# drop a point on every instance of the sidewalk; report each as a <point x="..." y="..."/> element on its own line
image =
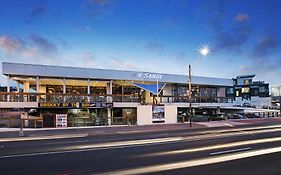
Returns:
<point x="124" y="129"/>
<point x="95" y="130"/>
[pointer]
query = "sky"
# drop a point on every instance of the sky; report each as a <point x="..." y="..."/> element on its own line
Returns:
<point x="244" y="36"/>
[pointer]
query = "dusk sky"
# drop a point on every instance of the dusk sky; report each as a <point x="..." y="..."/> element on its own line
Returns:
<point x="146" y="35"/>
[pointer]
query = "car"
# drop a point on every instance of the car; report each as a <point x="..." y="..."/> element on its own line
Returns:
<point x="236" y="116"/>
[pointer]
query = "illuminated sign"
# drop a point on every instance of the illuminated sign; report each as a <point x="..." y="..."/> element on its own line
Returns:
<point x="75" y="105"/>
<point x="150" y="76"/>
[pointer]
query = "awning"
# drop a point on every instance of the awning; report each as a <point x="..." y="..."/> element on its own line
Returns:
<point x="151" y="87"/>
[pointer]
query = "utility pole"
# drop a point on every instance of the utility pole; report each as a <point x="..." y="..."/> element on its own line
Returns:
<point x="189" y="94"/>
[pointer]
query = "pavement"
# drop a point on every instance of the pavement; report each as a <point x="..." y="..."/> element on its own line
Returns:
<point x="125" y="129"/>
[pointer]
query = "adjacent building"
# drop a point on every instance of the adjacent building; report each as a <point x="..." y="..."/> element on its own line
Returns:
<point x="248" y="92"/>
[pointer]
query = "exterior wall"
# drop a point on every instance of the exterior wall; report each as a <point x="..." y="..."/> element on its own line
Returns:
<point x="144" y="115"/>
<point x="171" y="114"/>
<point x="257" y="101"/>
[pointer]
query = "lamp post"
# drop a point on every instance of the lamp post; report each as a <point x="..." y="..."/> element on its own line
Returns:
<point x="189" y="94"/>
<point x="204" y="51"/>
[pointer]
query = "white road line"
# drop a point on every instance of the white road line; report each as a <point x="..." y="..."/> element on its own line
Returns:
<point x="192" y="163"/>
<point x="227" y="124"/>
<point x="19" y="139"/>
<point x="113" y="145"/>
<point x="54" y="143"/>
<point x="231" y="151"/>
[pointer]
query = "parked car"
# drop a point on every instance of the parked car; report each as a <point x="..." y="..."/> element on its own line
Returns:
<point x="236" y="116"/>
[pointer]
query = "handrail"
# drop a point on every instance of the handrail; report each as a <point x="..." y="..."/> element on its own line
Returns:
<point x="57" y="97"/>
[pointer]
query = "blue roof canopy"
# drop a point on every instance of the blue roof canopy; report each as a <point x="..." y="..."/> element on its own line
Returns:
<point x="151" y="87"/>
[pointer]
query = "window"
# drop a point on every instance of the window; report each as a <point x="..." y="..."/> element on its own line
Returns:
<point x="262" y="89"/>
<point x="245" y="90"/>
<point x="247" y="82"/>
<point x="237" y="93"/>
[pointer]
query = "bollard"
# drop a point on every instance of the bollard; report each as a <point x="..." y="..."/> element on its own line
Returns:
<point x="21" y="134"/>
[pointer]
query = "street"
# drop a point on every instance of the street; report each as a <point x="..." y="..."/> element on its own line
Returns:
<point x="248" y="149"/>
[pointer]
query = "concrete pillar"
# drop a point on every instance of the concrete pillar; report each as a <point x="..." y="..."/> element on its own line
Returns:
<point x="109" y="100"/>
<point x="37" y="88"/>
<point x="18" y="87"/>
<point x="26" y="86"/>
<point x="63" y="86"/>
<point x="26" y="89"/>
<point x="8" y="87"/>
<point x="64" y="89"/>
<point x="88" y="89"/>
<point x="8" y="83"/>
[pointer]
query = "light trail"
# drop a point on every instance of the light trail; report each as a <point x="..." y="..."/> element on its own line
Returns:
<point x="207" y="148"/>
<point x="194" y="163"/>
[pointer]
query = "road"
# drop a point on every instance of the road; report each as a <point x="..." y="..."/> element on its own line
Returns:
<point x="254" y="149"/>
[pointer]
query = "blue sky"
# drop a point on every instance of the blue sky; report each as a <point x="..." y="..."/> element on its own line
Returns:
<point x="146" y="35"/>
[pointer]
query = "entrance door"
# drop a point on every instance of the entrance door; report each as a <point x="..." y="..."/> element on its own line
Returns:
<point x="49" y="120"/>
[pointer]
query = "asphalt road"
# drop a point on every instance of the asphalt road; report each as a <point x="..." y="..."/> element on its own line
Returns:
<point x="247" y="150"/>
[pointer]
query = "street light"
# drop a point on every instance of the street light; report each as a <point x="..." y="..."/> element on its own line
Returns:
<point x="204" y="50"/>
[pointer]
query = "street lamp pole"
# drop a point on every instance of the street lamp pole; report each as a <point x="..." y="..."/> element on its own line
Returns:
<point x="189" y="94"/>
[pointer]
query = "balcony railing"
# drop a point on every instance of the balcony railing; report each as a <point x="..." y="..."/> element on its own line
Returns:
<point x="74" y="98"/>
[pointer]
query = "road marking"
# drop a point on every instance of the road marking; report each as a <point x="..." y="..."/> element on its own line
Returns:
<point x="19" y="139"/>
<point x="126" y="144"/>
<point x="226" y="145"/>
<point x="227" y="124"/>
<point x="54" y="143"/>
<point x="231" y="151"/>
<point x="192" y="163"/>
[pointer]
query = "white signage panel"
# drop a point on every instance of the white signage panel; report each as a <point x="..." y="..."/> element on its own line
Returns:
<point x="61" y="120"/>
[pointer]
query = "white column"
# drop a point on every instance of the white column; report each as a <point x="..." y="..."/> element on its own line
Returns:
<point x="109" y="100"/>
<point x="88" y="89"/>
<point x="64" y="89"/>
<point x="18" y="87"/>
<point x="37" y="88"/>
<point x="25" y="89"/>
<point x="64" y="86"/>
<point x="8" y="87"/>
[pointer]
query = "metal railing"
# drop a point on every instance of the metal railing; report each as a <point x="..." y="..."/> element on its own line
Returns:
<point x="74" y="98"/>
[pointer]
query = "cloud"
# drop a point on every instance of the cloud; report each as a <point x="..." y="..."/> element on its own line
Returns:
<point x="267" y="45"/>
<point x="229" y="37"/>
<point x="169" y="24"/>
<point x="43" y="45"/>
<point x="117" y="63"/>
<point x="11" y="45"/>
<point x="241" y="17"/>
<point x="180" y="57"/>
<point x="35" y="47"/>
<point x="81" y="27"/>
<point x="88" y="59"/>
<point x="153" y="46"/>
<point x="96" y="8"/>
<point x="37" y="11"/>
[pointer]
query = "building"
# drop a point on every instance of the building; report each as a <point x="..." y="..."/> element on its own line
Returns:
<point x="276" y="91"/>
<point x="57" y="96"/>
<point x="248" y="92"/>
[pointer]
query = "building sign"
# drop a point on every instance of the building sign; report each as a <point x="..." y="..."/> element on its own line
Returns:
<point x="75" y="105"/>
<point x="61" y="120"/>
<point x="152" y="76"/>
<point x="158" y="114"/>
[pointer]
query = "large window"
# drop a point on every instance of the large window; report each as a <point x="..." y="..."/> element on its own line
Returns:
<point x="245" y="90"/>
